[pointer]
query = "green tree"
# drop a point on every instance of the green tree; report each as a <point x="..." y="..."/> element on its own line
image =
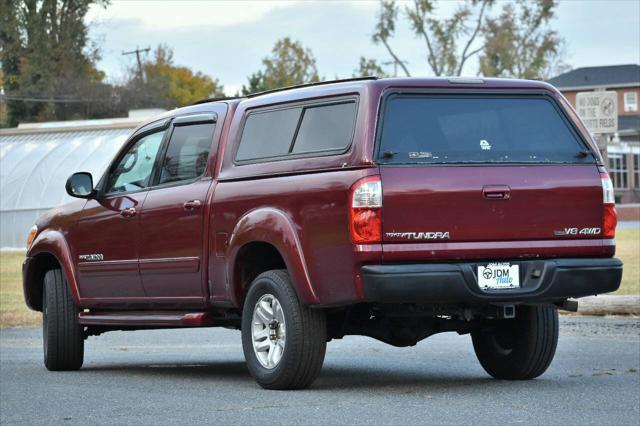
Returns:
<point x="167" y="85"/>
<point x="369" y="68"/>
<point x="289" y="64"/>
<point x="49" y="62"/>
<point x="517" y="43"/>
<point x="520" y="44"/>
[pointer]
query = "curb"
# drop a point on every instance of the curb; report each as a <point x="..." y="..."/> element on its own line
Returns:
<point x="609" y="305"/>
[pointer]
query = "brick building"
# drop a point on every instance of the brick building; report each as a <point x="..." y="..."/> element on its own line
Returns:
<point x="623" y="148"/>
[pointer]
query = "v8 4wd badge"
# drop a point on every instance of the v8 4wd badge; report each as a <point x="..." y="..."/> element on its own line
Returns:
<point x="576" y="231"/>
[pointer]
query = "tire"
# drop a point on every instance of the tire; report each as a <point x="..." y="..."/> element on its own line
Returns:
<point x="521" y="348"/>
<point x="297" y="334"/>
<point x="62" y="334"/>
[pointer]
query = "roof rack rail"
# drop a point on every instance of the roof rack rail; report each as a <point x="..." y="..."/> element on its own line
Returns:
<point x="319" y="83"/>
<point x="224" y="98"/>
<point x="280" y="89"/>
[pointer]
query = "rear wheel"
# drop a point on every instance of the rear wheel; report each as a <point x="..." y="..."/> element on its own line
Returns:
<point x="284" y="342"/>
<point x="521" y="348"/>
<point x="62" y="334"/>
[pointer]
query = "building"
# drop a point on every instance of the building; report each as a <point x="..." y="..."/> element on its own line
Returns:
<point x="36" y="160"/>
<point x="623" y="148"/>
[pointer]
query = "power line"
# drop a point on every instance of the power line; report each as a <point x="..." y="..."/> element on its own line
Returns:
<point x="52" y="99"/>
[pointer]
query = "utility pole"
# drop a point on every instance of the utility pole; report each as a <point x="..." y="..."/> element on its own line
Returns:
<point x="395" y="66"/>
<point x="137" y="52"/>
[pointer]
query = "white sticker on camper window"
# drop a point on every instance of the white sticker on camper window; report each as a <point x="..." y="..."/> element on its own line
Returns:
<point x="485" y="145"/>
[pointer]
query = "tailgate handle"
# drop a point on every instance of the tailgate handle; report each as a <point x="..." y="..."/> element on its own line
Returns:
<point x="496" y="192"/>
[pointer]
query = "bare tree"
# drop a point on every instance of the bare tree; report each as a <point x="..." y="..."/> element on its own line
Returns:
<point x="442" y="38"/>
<point x="516" y="43"/>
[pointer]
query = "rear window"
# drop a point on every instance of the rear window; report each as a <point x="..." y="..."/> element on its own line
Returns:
<point x="476" y="129"/>
<point x="187" y="153"/>
<point x="325" y="129"/>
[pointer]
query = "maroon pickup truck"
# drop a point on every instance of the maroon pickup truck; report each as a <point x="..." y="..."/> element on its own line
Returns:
<point x="390" y="208"/>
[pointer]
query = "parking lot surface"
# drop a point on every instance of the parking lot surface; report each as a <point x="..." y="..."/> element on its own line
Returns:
<point x="199" y="376"/>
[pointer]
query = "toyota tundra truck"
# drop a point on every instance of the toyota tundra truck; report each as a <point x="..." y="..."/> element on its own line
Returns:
<point x="390" y="208"/>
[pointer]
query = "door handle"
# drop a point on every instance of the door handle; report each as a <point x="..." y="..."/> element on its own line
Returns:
<point x="130" y="212"/>
<point x="496" y="192"/>
<point x="192" y="205"/>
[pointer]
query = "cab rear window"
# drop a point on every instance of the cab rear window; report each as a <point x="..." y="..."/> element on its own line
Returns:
<point x="477" y="129"/>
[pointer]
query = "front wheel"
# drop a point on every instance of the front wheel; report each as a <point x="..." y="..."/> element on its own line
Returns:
<point x="520" y="348"/>
<point x="284" y="342"/>
<point x="62" y="334"/>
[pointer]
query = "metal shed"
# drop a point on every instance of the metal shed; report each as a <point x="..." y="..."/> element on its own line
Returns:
<point x="37" y="159"/>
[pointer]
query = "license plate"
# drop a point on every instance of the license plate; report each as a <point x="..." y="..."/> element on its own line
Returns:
<point x="498" y="276"/>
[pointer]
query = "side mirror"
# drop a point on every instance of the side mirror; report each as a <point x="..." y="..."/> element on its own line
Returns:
<point x="80" y="185"/>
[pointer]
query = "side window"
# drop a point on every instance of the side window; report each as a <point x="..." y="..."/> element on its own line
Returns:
<point x="297" y="130"/>
<point x="133" y="171"/>
<point x="187" y="153"/>
<point x="268" y="134"/>
<point x="326" y="128"/>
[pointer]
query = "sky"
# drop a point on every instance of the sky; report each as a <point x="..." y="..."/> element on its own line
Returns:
<point x="228" y="39"/>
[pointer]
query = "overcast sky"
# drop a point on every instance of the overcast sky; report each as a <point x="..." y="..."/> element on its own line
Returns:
<point x="227" y="40"/>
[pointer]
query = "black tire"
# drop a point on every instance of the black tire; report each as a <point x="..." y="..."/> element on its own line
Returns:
<point x="520" y="348"/>
<point x="306" y="335"/>
<point x="62" y="334"/>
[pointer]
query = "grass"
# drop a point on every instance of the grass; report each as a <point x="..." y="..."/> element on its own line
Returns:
<point x="13" y="311"/>
<point x="628" y="249"/>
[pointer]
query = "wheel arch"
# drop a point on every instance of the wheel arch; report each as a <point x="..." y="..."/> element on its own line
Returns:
<point x="262" y="240"/>
<point x="49" y="251"/>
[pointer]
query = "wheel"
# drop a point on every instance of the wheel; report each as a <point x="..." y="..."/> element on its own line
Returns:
<point x="284" y="342"/>
<point x="61" y="332"/>
<point x="520" y="348"/>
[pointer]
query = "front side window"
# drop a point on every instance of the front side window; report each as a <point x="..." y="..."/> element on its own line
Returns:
<point x="133" y="171"/>
<point x="187" y="153"/>
<point x="434" y="129"/>
<point x="618" y="170"/>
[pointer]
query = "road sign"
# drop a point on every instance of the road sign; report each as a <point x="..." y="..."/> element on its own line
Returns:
<point x="598" y="110"/>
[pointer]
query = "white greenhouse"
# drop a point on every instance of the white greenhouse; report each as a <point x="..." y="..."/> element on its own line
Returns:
<point x="37" y="159"/>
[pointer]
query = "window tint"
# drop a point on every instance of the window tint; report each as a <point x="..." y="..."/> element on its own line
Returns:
<point x="456" y="129"/>
<point x="133" y="171"/>
<point x="187" y="153"/>
<point x="268" y="134"/>
<point x="324" y="128"/>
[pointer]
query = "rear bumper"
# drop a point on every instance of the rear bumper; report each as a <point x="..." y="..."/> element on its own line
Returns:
<point x="541" y="281"/>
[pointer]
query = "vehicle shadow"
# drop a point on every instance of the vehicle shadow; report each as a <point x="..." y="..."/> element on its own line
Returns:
<point x="331" y="378"/>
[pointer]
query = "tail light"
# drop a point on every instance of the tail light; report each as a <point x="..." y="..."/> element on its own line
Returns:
<point x="609" y="214"/>
<point x="366" y="211"/>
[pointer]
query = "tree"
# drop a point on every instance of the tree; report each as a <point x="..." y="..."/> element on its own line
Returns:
<point x="166" y="85"/>
<point x="516" y="44"/>
<point x="368" y="68"/>
<point x="48" y="61"/>
<point x="441" y="38"/>
<point x="289" y="64"/>
<point x="520" y="44"/>
<point x="4" y="118"/>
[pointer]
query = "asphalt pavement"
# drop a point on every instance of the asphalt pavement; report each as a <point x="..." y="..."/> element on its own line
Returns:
<point x="198" y="376"/>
